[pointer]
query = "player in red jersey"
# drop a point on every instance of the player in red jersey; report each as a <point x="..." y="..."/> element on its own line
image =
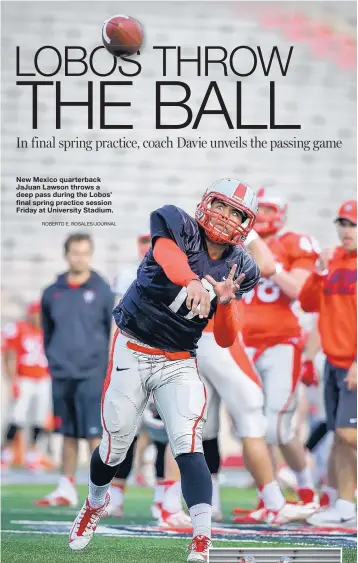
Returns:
<point x="229" y="376"/>
<point x="26" y="368"/>
<point x="331" y="291"/>
<point x="272" y="333"/>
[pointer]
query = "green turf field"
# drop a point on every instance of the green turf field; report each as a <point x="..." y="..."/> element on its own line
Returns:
<point x="31" y="534"/>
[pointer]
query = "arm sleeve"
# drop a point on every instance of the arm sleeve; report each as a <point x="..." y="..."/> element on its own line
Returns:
<point x="226" y="324"/>
<point x="173" y="261"/>
<point x="46" y="321"/>
<point x="310" y="294"/>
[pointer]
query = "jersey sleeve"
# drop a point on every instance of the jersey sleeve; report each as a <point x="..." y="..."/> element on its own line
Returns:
<point x="303" y="251"/>
<point x="252" y="275"/>
<point x="172" y="223"/>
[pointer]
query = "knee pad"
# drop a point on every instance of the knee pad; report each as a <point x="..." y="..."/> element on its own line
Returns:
<point x="187" y="443"/>
<point x="280" y="428"/>
<point x="113" y="448"/>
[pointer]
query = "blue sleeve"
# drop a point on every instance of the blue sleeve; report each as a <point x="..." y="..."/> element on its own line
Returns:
<point x="46" y="319"/>
<point x="168" y="222"/>
<point x="252" y="275"/>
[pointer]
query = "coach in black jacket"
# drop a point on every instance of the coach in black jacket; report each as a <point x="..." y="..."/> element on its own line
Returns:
<point x="76" y="318"/>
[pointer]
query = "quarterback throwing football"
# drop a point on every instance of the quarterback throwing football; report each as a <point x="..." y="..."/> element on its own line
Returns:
<point x="195" y="268"/>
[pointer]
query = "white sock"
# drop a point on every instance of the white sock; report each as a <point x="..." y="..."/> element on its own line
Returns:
<point x="66" y="482"/>
<point x="216" y="493"/>
<point x="345" y="508"/>
<point x="331" y="493"/>
<point x="172" y="496"/>
<point x="304" y="479"/>
<point x="159" y="489"/>
<point x="200" y="515"/>
<point x="272" y="496"/>
<point x="97" y="494"/>
<point x="116" y="493"/>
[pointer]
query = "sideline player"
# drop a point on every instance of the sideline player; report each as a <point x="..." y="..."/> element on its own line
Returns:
<point x="26" y="368"/>
<point x="272" y="334"/>
<point x="193" y="270"/>
<point x="331" y="291"/>
<point x="229" y="376"/>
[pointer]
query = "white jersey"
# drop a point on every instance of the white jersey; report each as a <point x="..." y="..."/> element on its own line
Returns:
<point x="126" y="275"/>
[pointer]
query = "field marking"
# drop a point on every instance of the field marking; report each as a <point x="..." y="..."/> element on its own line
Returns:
<point x="132" y="536"/>
<point x="57" y="512"/>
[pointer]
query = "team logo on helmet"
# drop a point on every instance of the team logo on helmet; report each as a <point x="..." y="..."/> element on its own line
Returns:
<point x="222" y="229"/>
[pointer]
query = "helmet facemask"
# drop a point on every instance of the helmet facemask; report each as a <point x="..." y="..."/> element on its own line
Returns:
<point x="215" y="223"/>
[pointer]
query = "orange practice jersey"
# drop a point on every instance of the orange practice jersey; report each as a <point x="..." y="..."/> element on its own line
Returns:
<point x="268" y="318"/>
<point x="26" y="342"/>
<point x="334" y="297"/>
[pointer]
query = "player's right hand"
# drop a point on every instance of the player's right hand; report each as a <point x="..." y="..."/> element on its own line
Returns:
<point x="198" y="296"/>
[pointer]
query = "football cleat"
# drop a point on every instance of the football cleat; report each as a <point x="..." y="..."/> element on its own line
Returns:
<point x="308" y="498"/>
<point x="85" y="524"/>
<point x="156" y="510"/>
<point x="115" y="510"/>
<point x="324" y="500"/>
<point x="288" y="513"/>
<point x="174" y="519"/>
<point x="254" y="517"/>
<point x="242" y="511"/>
<point x="64" y="495"/>
<point x="199" y="549"/>
<point x="331" y="518"/>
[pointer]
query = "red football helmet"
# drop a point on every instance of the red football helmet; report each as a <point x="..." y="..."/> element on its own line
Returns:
<point x="269" y="225"/>
<point x="237" y="195"/>
<point x="144" y="243"/>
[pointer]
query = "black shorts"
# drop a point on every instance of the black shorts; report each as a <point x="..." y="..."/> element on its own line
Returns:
<point x="340" y="403"/>
<point x="77" y="407"/>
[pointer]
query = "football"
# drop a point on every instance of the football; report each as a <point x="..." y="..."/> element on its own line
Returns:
<point x="122" y="35"/>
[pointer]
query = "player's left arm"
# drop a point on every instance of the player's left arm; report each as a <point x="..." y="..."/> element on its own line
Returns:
<point x="226" y="322"/>
<point x="303" y="252"/>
